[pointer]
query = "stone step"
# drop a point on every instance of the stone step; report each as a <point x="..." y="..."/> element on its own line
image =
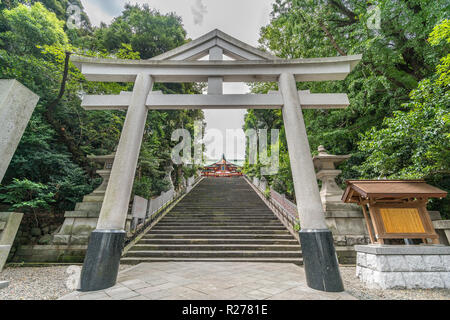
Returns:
<point x="224" y="241"/>
<point x="230" y="223"/>
<point x="137" y="260"/>
<point x="81" y="214"/>
<point x="218" y="231"/>
<point x="94" y="198"/>
<point x="170" y="217"/>
<point x="213" y="203"/>
<point x="215" y="254"/>
<point x="88" y="206"/>
<point x="220" y="227"/>
<point x="215" y="247"/>
<point x="214" y="235"/>
<point x="210" y="204"/>
<point x="217" y="211"/>
<point x="222" y="209"/>
<point x="214" y="222"/>
<point x="220" y="220"/>
<point x="202" y="215"/>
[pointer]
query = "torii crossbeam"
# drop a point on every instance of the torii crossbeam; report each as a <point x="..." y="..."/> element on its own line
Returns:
<point x="180" y="65"/>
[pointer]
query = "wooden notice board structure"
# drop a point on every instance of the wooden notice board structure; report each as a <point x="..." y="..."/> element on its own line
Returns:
<point x="397" y="208"/>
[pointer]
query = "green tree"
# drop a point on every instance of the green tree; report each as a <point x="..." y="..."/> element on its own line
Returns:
<point x="61" y="134"/>
<point x="27" y="195"/>
<point x="29" y="27"/>
<point x="396" y="58"/>
<point x="415" y="143"/>
<point x="147" y="31"/>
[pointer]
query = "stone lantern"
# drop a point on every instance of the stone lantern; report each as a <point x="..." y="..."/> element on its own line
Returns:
<point x="107" y="161"/>
<point x="168" y="176"/>
<point x="78" y="224"/>
<point x="345" y="220"/>
<point x="325" y="164"/>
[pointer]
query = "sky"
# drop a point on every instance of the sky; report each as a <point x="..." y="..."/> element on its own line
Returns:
<point x="241" y="19"/>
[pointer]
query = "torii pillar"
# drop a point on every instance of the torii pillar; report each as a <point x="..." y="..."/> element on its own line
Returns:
<point x="321" y="263"/>
<point x="101" y="263"/>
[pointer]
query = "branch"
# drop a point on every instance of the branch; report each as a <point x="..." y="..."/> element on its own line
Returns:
<point x="62" y="87"/>
<point x="64" y="137"/>
<point x="343" y="9"/>
<point x="331" y="38"/>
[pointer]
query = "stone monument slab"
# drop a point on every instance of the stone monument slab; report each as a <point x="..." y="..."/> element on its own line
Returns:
<point x="16" y="106"/>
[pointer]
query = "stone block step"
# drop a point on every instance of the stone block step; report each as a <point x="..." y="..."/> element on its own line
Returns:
<point x="209" y="204"/>
<point x="202" y="216"/>
<point x="171" y="218"/>
<point x="81" y="214"/>
<point x="88" y="206"/>
<point x="214" y="235"/>
<point x="196" y="213"/>
<point x="215" y="254"/>
<point x="245" y="206"/>
<point x="229" y="223"/>
<point x="220" y="227"/>
<point x="137" y="260"/>
<point x="94" y="198"/>
<point x="220" y="220"/>
<point x="226" y="209"/>
<point x="218" y="231"/>
<point x="224" y="241"/>
<point x="215" y="247"/>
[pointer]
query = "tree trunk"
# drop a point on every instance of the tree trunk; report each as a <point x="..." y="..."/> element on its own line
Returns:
<point x="64" y="137"/>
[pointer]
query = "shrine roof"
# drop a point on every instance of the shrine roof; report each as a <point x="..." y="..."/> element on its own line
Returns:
<point x="390" y="189"/>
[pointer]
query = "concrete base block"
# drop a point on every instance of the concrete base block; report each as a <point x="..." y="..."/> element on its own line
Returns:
<point x="320" y="260"/>
<point x="403" y="267"/>
<point x="101" y="264"/>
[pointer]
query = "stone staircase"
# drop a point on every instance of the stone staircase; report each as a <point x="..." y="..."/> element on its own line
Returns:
<point x="221" y="219"/>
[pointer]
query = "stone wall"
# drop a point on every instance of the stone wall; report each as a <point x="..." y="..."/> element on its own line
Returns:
<point x="403" y="267"/>
<point x="50" y="253"/>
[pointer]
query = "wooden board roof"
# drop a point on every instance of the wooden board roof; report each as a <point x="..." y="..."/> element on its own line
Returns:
<point x="390" y="189"/>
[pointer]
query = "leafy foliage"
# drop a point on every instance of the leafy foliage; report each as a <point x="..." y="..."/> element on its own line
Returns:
<point x="397" y="58"/>
<point x="34" y="42"/>
<point x="415" y="143"/>
<point x="27" y="195"/>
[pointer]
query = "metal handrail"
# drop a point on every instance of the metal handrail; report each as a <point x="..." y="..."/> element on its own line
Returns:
<point x="293" y="221"/>
<point x="155" y="215"/>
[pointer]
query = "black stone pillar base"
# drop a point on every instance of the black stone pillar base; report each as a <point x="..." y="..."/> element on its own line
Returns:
<point x="101" y="263"/>
<point x="320" y="260"/>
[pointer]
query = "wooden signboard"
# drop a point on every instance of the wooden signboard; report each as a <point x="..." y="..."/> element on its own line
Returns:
<point x="397" y="208"/>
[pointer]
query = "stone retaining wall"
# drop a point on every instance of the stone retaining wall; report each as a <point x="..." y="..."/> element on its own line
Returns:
<point x="50" y="253"/>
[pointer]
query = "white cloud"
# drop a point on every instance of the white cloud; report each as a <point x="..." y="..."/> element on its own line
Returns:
<point x="198" y="12"/>
<point x="97" y="13"/>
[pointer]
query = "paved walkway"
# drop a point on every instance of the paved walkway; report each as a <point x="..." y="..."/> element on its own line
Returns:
<point x="210" y="281"/>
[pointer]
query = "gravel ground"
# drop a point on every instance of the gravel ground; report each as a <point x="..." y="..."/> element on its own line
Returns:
<point x="49" y="283"/>
<point x="36" y="283"/>
<point x="356" y="288"/>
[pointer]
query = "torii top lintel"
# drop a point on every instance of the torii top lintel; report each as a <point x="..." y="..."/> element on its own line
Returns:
<point x="250" y="64"/>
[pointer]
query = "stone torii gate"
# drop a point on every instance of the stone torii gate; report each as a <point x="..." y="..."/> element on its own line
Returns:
<point x="182" y="65"/>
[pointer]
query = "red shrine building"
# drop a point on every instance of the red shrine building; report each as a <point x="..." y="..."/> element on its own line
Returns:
<point x="222" y="168"/>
